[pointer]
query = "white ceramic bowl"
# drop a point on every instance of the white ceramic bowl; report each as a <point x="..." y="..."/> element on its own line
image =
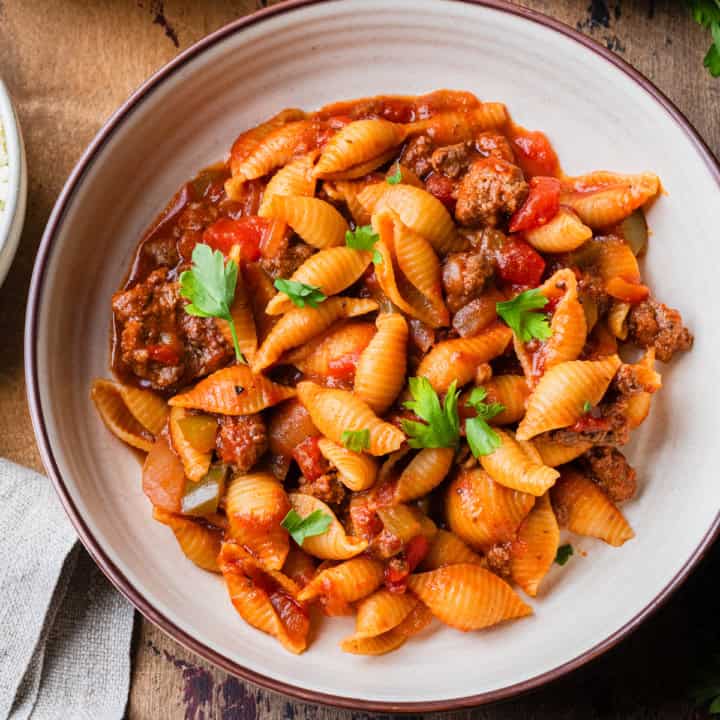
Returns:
<point x="597" y="111"/>
<point x="13" y="216"/>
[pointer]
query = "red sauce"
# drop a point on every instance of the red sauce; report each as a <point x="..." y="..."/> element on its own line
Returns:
<point x="443" y="188"/>
<point x="292" y="614"/>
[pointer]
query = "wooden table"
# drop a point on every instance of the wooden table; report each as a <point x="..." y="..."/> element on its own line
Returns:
<point x="68" y="65"/>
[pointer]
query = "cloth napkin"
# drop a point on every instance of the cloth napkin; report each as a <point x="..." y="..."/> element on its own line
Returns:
<point x="64" y="631"/>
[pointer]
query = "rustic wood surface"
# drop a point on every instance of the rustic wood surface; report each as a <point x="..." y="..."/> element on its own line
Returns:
<point x="69" y="65"/>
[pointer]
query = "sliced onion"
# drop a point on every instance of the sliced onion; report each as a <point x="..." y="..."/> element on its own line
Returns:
<point x="635" y="231"/>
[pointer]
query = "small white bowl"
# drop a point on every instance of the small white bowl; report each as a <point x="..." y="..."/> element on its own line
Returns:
<point x="13" y="216"/>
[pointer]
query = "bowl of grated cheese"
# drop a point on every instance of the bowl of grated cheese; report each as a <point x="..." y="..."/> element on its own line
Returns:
<point x="13" y="182"/>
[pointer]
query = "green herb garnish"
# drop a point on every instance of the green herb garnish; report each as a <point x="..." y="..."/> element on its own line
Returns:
<point x="443" y="423"/>
<point x="364" y="238"/>
<point x="356" y="440"/>
<point x="396" y="177"/>
<point x="316" y="523"/>
<point x="707" y="14"/>
<point x="518" y="314"/>
<point x="482" y="439"/>
<point x="563" y="554"/>
<point x="210" y="287"/>
<point x="587" y="406"/>
<point x="705" y="689"/>
<point x="299" y="293"/>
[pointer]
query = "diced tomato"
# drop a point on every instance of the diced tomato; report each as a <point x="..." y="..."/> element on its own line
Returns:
<point x="310" y="460"/>
<point x="247" y="232"/>
<point x="534" y="153"/>
<point x="396" y="574"/>
<point x="164" y="354"/>
<point x="590" y="423"/>
<point x="343" y="367"/>
<point x="541" y="205"/>
<point x="443" y="189"/>
<point x="416" y="550"/>
<point x="399" y="568"/>
<point x="365" y="519"/>
<point x="520" y="264"/>
<point x="629" y="292"/>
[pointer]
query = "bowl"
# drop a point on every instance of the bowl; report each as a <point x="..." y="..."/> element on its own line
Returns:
<point x="599" y="113"/>
<point x="13" y="215"/>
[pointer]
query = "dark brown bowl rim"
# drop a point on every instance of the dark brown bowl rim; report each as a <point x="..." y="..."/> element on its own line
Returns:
<point x="97" y="552"/>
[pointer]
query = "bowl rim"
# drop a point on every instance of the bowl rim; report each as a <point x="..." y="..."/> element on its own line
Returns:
<point x="113" y="573"/>
<point x="13" y="216"/>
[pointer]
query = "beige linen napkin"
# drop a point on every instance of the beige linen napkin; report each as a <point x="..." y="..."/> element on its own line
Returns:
<point x="64" y="630"/>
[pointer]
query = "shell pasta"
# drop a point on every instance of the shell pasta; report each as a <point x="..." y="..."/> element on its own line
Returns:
<point x="377" y="362"/>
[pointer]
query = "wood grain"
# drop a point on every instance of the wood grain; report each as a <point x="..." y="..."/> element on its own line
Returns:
<point x="69" y="65"/>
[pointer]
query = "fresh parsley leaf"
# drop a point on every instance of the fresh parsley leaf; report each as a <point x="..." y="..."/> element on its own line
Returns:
<point x="707" y="14"/>
<point x="443" y="423"/>
<point x="299" y="293"/>
<point x="706" y="684"/>
<point x="518" y="314"/>
<point x="316" y="523"/>
<point x="563" y="554"/>
<point x="210" y="287"/>
<point x="482" y="439"/>
<point x="363" y="238"/>
<point x="587" y="406"/>
<point x="396" y="177"/>
<point x="356" y="440"/>
<point x="712" y="58"/>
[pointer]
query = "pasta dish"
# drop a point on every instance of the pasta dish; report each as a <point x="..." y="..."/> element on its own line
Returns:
<point x="373" y="361"/>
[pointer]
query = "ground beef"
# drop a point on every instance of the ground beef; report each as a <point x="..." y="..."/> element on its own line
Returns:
<point x="652" y="324"/>
<point x="498" y="560"/>
<point x="608" y="467"/>
<point x="241" y="440"/>
<point x="491" y="144"/>
<point x="606" y="424"/>
<point x="492" y="189"/>
<point x="452" y="160"/>
<point x="285" y="263"/>
<point x="159" y="341"/>
<point x="206" y="349"/>
<point x="591" y="287"/>
<point x="464" y="276"/>
<point x="633" y="379"/>
<point x="327" y="488"/>
<point x="416" y="155"/>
